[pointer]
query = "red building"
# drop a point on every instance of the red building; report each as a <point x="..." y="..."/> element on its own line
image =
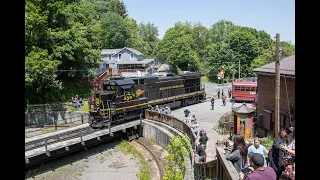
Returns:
<point x="266" y="96"/>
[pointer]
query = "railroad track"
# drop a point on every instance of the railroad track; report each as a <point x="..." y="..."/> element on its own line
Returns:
<point x="59" y="138"/>
<point x="148" y="147"/>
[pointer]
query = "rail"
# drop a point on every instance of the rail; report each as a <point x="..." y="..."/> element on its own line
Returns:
<point x="154" y="156"/>
<point x="219" y="168"/>
<point x="44" y="142"/>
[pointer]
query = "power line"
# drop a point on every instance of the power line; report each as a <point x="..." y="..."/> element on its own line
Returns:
<point x="55" y="70"/>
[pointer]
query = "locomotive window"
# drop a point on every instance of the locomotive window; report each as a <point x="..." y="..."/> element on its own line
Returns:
<point x="242" y="88"/>
<point x="110" y="88"/>
<point x="248" y="88"/>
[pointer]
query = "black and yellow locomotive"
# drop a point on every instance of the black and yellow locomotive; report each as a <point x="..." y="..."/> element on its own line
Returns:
<point x="123" y="99"/>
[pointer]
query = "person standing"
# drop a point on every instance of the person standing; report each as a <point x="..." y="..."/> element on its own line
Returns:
<point x="229" y="92"/>
<point x="224" y="98"/>
<point x="238" y="153"/>
<point x="233" y="105"/>
<point x="200" y="152"/>
<point x="203" y="139"/>
<point x="212" y="103"/>
<point x="186" y="115"/>
<point x="276" y="154"/>
<point x="218" y="93"/>
<point x="257" y="147"/>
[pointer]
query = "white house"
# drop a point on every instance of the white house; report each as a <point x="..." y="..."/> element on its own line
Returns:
<point x="125" y="62"/>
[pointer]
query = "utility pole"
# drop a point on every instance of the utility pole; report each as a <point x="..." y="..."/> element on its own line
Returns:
<point x="239" y="68"/>
<point x="277" y="88"/>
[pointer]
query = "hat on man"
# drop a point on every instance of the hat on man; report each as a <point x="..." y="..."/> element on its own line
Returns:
<point x="257" y="159"/>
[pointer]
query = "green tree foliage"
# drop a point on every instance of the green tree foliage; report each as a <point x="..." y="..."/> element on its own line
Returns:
<point x="287" y="49"/>
<point x="40" y="82"/>
<point x="118" y="7"/>
<point x="69" y="35"/>
<point x="223" y="45"/>
<point x="114" y="37"/>
<point x="178" y="147"/>
<point x="178" y="47"/>
<point x="149" y="33"/>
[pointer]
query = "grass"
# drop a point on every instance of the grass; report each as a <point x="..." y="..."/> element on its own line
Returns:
<point x="127" y="148"/>
<point x="219" y="129"/>
<point x="85" y="107"/>
<point x="152" y="141"/>
<point x="47" y="130"/>
<point x="205" y="79"/>
<point x="70" y="89"/>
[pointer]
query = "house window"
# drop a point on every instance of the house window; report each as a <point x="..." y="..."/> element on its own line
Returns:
<point x="119" y="57"/>
<point x="131" y="57"/>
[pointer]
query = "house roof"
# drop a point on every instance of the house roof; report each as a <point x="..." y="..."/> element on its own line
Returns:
<point x="115" y="51"/>
<point x="243" y="109"/>
<point x="145" y="61"/>
<point x="109" y="51"/>
<point x="287" y="67"/>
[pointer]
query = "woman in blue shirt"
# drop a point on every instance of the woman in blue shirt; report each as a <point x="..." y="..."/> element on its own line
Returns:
<point x="257" y="147"/>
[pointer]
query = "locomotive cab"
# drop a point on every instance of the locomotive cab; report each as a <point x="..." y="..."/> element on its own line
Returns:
<point x="100" y="108"/>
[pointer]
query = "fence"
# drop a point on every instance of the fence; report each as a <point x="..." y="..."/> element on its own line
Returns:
<point x="46" y="116"/>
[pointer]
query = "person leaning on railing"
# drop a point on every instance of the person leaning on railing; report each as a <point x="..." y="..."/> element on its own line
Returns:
<point x="238" y="153"/>
<point x="199" y="150"/>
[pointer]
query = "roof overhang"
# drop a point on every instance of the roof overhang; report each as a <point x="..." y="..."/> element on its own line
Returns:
<point x="273" y="74"/>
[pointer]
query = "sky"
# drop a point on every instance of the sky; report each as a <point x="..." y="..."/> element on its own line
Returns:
<point x="272" y="16"/>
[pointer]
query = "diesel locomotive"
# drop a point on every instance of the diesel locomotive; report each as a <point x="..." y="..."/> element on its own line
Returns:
<point x="123" y="99"/>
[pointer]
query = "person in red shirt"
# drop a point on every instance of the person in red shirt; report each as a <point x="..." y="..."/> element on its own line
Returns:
<point x="224" y="98"/>
<point x="259" y="172"/>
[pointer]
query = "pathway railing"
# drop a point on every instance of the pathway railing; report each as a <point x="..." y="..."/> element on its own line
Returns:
<point x="219" y="168"/>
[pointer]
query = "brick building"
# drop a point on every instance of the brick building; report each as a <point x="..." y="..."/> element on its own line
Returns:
<point x="266" y="96"/>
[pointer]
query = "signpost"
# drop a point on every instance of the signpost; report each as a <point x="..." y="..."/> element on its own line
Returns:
<point x="220" y="75"/>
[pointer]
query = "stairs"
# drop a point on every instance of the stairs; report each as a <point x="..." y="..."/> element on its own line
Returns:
<point x="96" y="84"/>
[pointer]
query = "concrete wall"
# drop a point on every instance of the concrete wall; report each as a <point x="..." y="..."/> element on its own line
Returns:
<point x="40" y="118"/>
<point x="161" y="134"/>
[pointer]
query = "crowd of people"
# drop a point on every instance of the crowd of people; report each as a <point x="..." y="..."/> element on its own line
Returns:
<point x="76" y="101"/>
<point x="162" y="109"/>
<point x="200" y="145"/>
<point x="250" y="160"/>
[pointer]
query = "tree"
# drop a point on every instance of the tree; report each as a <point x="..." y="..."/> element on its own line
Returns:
<point x="118" y="7"/>
<point x="287" y="49"/>
<point x="245" y="46"/>
<point x="178" y="147"/>
<point x="178" y="47"/>
<point x="115" y="32"/>
<point x="149" y="33"/>
<point x="219" y="30"/>
<point x="40" y="81"/>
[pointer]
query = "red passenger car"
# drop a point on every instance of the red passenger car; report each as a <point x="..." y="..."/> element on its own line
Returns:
<point x="244" y="90"/>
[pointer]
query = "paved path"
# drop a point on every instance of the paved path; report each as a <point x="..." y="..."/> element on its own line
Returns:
<point x="207" y="119"/>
